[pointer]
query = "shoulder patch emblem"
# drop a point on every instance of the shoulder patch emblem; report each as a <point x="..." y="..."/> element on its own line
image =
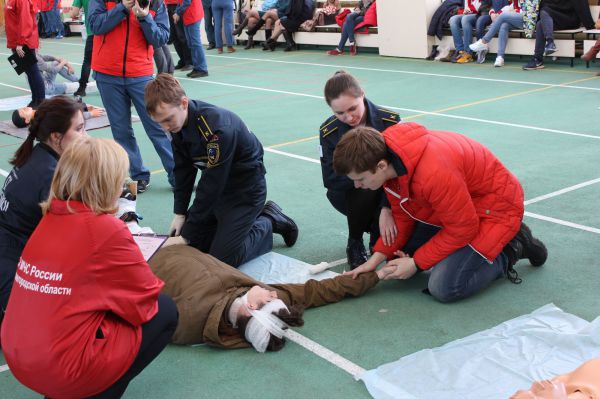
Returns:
<point x="213" y="152"/>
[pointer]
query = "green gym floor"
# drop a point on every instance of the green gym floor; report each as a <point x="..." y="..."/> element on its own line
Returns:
<point x="542" y="124"/>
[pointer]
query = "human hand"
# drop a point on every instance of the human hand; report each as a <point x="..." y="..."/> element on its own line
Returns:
<point x="70" y="69"/>
<point x="364" y="268"/>
<point x="598" y="24"/>
<point x="139" y="11"/>
<point x="128" y="4"/>
<point x="257" y="297"/>
<point x="179" y="240"/>
<point x="20" y="52"/>
<point x="387" y="226"/>
<point x="493" y="16"/>
<point x="95" y="111"/>
<point x="400" y="269"/>
<point x="176" y="225"/>
<point x="467" y="11"/>
<point x="175" y="18"/>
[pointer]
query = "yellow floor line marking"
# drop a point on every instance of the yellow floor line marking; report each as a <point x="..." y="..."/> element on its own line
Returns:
<point x="293" y="142"/>
<point x="157" y="171"/>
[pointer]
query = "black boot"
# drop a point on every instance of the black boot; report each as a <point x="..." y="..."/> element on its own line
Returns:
<point x="80" y="92"/>
<point x="356" y="253"/>
<point x="268" y="33"/>
<point x="524" y="246"/>
<point x="282" y="224"/>
<point x="250" y="43"/>
<point x="290" y="44"/>
<point x="252" y="31"/>
<point x="270" y="45"/>
<point x="433" y="54"/>
<point x="238" y="31"/>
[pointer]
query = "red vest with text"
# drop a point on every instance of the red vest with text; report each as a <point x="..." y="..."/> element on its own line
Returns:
<point x="124" y="51"/>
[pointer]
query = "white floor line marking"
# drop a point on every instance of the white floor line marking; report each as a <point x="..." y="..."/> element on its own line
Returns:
<point x="353" y="369"/>
<point x="3" y="173"/>
<point x="563" y="222"/>
<point x="380" y="70"/>
<point x="563" y="191"/>
<point x="338" y="262"/>
<point x="416" y="111"/>
<point x="287" y="154"/>
<point x="4" y="368"/>
<point x="15" y="87"/>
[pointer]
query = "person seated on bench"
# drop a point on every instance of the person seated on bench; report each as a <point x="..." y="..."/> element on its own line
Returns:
<point x="593" y="52"/>
<point x="557" y="15"/>
<point x="51" y="66"/>
<point x="22" y="117"/>
<point x="467" y="17"/>
<point x="323" y="16"/>
<point x="353" y="22"/>
<point x="298" y="12"/>
<point x="270" y="11"/>
<point x="581" y="383"/>
<point x="57" y="123"/>
<point x="509" y="17"/>
<point x="450" y="182"/>
<point x="218" y="303"/>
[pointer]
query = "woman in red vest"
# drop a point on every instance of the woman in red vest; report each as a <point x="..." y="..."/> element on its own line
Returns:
<point x="84" y="316"/>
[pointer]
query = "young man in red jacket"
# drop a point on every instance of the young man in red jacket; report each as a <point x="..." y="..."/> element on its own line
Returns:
<point x="21" y="30"/>
<point x="449" y="181"/>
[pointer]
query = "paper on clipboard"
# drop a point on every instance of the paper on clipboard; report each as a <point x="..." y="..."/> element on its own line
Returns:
<point x="149" y="244"/>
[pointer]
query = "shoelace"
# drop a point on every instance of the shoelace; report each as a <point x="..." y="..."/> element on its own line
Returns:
<point x="513" y="276"/>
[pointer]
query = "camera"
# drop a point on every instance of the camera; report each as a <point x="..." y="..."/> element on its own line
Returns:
<point x="143" y="3"/>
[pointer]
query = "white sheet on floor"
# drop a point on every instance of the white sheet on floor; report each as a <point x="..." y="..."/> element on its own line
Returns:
<point x="493" y="363"/>
<point x="274" y="268"/>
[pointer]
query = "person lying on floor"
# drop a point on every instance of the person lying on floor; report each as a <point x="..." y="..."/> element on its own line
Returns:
<point x="581" y="383"/>
<point x="22" y="117"/>
<point x="221" y="306"/>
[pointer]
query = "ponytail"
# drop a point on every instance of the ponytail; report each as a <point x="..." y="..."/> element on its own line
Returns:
<point x="24" y="152"/>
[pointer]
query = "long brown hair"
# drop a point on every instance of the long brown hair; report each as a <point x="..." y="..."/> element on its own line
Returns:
<point x="53" y="116"/>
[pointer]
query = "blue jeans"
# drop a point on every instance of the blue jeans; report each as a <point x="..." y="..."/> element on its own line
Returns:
<point x="463" y="274"/>
<point x="52" y="86"/>
<point x="57" y="25"/>
<point x="209" y="26"/>
<point x="192" y="36"/>
<point x="351" y="21"/>
<point x="466" y="22"/>
<point x="505" y="22"/>
<point x="223" y="13"/>
<point x="117" y="94"/>
<point x="544" y="31"/>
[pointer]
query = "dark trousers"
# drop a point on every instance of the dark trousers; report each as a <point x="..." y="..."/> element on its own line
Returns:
<point x="236" y="232"/>
<point x="156" y="334"/>
<point x="178" y="38"/>
<point x="10" y="252"/>
<point x="36" y="83"/>
<point x="361" y="208"/>
<point x="544" y="31"/>
<point x="209" y="24"/>
<point x="87" y="61"/>
<point x="163" y="60"/>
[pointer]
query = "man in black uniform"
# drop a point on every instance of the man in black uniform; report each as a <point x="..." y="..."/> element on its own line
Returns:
<point x="228" y="217"/>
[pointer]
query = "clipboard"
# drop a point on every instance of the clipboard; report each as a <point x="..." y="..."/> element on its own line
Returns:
<point x="21" y="64"/>
<point x="149" y="243"/>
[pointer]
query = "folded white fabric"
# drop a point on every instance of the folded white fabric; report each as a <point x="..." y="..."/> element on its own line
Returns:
<point x="493" y="363"/>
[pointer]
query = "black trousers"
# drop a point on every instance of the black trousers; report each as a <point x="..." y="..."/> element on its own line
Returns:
<point x="361" y="208"/>
<point x="36" y="83"/>
<point x="177" y="36"/>
<point x="87" y="61"/>
<point x="156" y="334"/>
<point x="10" y="252"/>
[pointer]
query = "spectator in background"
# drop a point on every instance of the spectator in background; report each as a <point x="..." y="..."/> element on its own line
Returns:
<point x="124" y="34"/>
<point x="55" y="20"/>
<point x="21" y="31"/>
<point x="222" y="11"/>
<point x="209" y="24"/>
<point x="461" y="26"/>
<point x="298" y="12"/>
<point x="487" y="10"/>
<point x="365" y="14"/>
<point x="177" y="37"/>
<point x="163" y="60"/>
<point x="89" y="45"/>
<point x="270" y="11"/>
<point x="51" y="66"/>
<point x="191" y="13"/>
<point x="557" y="15"/>
<point x="593" y="52"/>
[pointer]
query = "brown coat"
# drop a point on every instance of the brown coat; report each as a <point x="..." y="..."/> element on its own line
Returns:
<point x="204" y="287"/>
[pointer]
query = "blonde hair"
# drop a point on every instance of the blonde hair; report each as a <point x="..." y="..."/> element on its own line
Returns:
<point x="92" y="171"/>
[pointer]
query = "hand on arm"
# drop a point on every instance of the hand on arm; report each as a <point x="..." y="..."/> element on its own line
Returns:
<point x="368" y="266"/>
<point x="400" y="269"/>
<point x="387" y="226"/>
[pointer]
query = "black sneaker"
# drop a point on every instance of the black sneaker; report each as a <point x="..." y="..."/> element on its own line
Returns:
<point x="282" y="224"/>
<point x="197" y="74"/>
<point x="80" y="92"/>
<point x="525" y="245"/>
<point x="533" y="64"/>
<point x="142" y="186"/>
<point x="550" y="48"/>
<point x="180" y="65"/>
<point x="356" y="253"/>
<point x="211" y="46"/>
<point x="187" y="67"/>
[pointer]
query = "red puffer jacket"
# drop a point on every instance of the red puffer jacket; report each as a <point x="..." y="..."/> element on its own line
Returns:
<point x="20" y="24"/>
<point x="455" y="183"/>
<point x="370" y="20"/>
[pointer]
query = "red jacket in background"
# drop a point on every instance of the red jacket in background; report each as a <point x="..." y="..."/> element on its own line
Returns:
<point x="370" y="20"/>
<point x="455" y="183"/>
<point x="193" y="13"/>
<point x="20" y="24"/>
<point x="82" y="291"/>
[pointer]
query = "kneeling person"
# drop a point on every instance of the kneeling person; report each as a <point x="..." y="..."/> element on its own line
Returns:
<point x="228" y="217"/>
<point x="449" y="181"/>
<point x="218" y="304"/>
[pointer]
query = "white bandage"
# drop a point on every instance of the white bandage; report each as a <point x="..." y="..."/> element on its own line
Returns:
<point x="263" y="323"/>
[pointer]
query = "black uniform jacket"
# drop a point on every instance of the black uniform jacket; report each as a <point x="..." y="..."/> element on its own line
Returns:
<point x="217" y="142"/>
